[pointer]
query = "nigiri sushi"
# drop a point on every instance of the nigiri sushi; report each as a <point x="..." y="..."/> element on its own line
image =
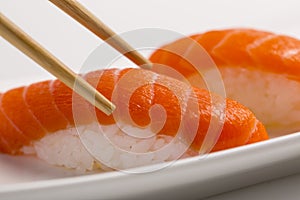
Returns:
<point x="260" y="69"/>
<point x="48" y="120"/>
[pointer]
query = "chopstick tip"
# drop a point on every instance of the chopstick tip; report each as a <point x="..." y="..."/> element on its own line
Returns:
<point x="111" y="109"/>
<point x="147" y="65"/>
<point x="104" y="105"/>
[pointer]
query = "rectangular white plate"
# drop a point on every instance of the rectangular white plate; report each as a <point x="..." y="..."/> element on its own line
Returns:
<point x="194" y="177"/>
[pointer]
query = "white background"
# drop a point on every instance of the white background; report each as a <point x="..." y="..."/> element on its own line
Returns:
<point x="72" y="43"/>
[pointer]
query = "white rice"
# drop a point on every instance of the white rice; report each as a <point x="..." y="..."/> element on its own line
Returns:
<point x="273" y="98"/>
<point x="65" y="148"/>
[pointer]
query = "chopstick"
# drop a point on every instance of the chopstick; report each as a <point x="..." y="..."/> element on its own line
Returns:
<point x="22" y="41"/>
<point x="91" y="22"/>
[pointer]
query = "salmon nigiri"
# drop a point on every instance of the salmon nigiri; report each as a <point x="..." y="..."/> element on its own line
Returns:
<point x="260" y="69"/>
<point x="44" y="118"/>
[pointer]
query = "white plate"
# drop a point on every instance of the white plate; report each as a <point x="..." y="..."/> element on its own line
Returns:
<point x="30" y="178"/>
<point x="195" y="177"/>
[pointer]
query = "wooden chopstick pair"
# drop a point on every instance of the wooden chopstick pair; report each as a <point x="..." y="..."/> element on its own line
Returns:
<point x="45" y="59"/>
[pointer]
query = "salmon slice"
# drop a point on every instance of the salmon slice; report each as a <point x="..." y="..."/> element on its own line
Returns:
<point x="259" y="69"/>
<point x="28" y="114"/>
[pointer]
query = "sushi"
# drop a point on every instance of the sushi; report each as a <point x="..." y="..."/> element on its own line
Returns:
<point x="259" y="69"/>
<point x="48" y="120"/>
